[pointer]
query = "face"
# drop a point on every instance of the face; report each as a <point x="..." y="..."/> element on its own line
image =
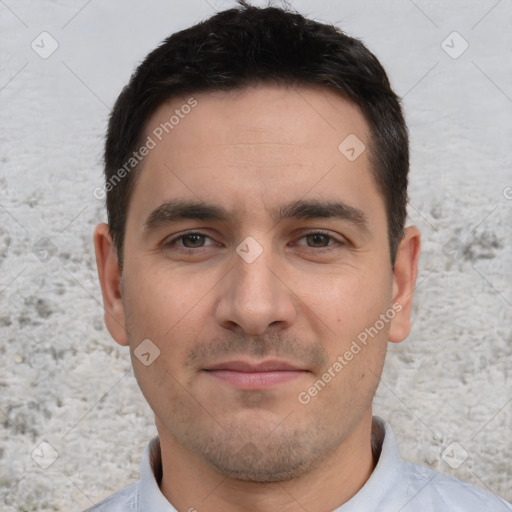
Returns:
<point x="256" y="256"/>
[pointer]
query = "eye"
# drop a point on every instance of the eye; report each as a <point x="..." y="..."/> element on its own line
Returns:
<point x="320" y="240"/>
<point x="188" y="241"/>
<point x="193" y="241"/>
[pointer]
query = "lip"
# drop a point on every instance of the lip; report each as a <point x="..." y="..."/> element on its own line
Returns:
<point x="260" y="366"/>
<point x="255" y="375"/>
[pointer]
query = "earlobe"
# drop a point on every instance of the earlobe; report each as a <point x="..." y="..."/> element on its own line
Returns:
<point x="404" y="282"/>
<point x="109" y="275"/>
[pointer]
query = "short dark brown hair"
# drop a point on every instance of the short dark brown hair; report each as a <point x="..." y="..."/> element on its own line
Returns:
<point x="245" y="46"/>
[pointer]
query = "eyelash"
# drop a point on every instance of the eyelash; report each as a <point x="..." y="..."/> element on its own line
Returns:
<point x="173" y="242"/>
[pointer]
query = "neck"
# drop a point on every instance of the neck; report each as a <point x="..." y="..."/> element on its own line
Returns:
<point x="191" y="484"/>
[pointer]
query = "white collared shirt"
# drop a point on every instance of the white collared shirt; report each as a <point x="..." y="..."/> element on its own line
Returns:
<point x="394" y="486"/>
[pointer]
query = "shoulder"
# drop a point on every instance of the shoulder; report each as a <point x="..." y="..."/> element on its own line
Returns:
<point x="442" y="492"/>
<point x="123" y="501"/>
<point x="397" y="484"/>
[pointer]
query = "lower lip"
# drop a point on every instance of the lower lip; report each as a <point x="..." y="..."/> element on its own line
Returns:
<point x="256" y="380"/>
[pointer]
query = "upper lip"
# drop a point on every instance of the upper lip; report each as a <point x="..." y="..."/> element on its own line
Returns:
<point x="261" y="366"/>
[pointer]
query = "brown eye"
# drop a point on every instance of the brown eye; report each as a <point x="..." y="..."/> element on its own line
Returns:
<point x="188" y="242"/>
<point x="318" y="238"/>
<point x="322" y="241"/>
<point x="196" y="240"/>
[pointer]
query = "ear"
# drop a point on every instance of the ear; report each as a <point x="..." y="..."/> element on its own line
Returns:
<point x="404" y="282"/>
<point x="109" y="274"/>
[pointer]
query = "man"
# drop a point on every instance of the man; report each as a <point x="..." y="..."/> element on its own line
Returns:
<point x="256" y="263"/>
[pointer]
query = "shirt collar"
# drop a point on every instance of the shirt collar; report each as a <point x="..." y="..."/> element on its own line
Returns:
<point x="369" y="497"/>
<point x="149" y="496"/>
<point x="375" y="492"/>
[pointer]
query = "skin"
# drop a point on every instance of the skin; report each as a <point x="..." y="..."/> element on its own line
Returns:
<point x="304" y="299"/>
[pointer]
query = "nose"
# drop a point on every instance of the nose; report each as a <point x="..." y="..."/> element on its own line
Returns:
<point x="255" y="295"/>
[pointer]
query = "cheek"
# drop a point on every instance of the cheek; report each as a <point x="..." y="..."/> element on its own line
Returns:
<point x="168" y="313"/>
<point x="154" y="303"/>
<point x="349" y="302"/>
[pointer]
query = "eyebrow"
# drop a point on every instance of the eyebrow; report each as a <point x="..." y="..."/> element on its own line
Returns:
<point x="177" y="209"/>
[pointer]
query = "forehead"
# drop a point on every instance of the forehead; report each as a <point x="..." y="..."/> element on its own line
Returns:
<point x="256" y="148"/>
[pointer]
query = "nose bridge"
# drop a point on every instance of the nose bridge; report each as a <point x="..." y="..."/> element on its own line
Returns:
<point x="253" y="278"/>
<point x="255" y="297"/>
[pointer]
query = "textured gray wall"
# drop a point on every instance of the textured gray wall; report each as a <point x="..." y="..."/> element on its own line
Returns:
<point x="66" y="384"/>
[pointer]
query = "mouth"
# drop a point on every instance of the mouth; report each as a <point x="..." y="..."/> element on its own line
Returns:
<point x="255" y="375"/>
